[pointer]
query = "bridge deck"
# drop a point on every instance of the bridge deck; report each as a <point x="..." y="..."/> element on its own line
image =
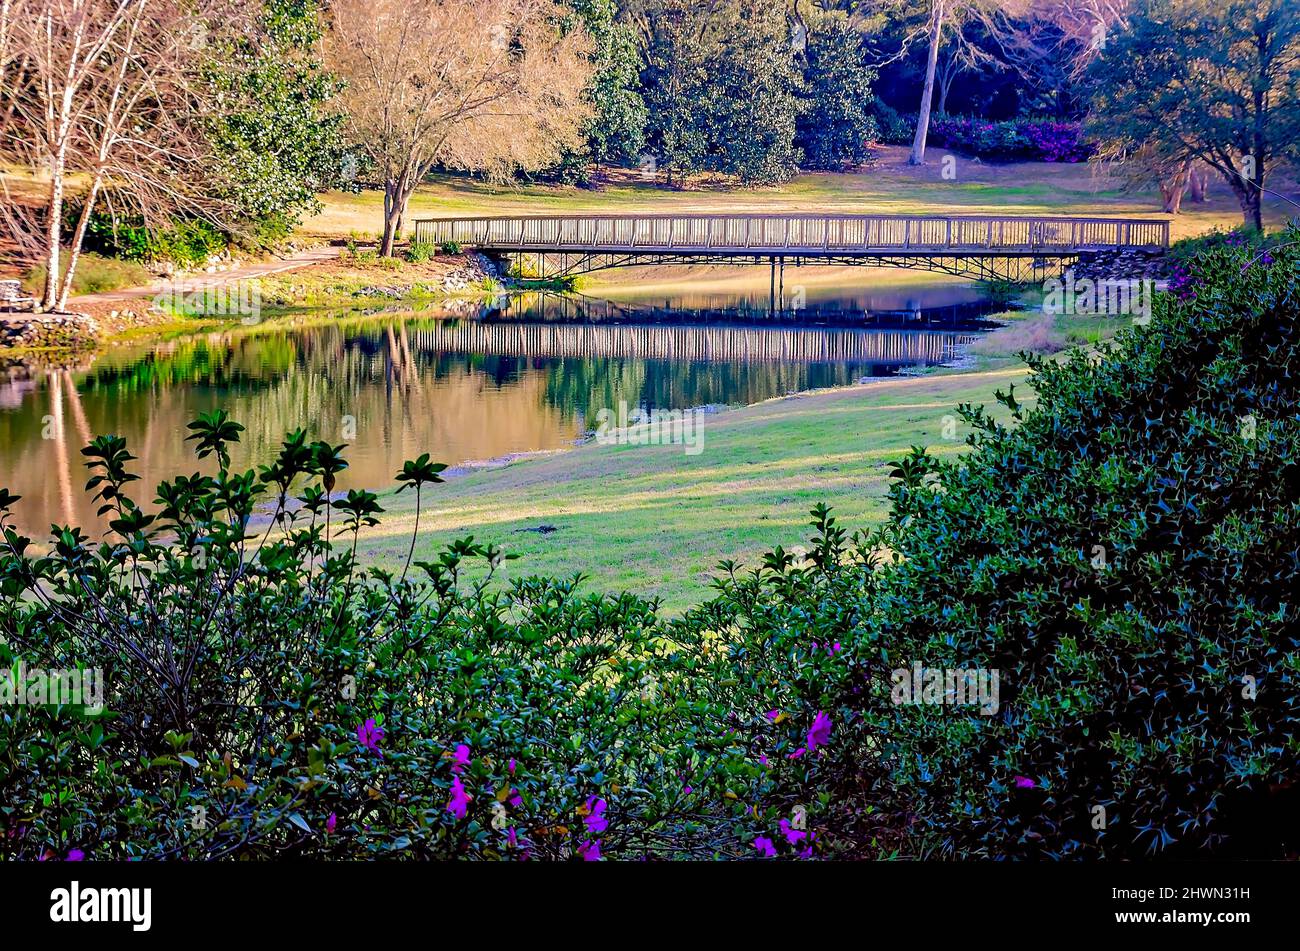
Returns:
<point x="798" y="235"/>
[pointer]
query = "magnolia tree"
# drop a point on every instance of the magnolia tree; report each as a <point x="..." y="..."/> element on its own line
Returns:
<point x="102" y="95"/>
<point x="480" y="85"/>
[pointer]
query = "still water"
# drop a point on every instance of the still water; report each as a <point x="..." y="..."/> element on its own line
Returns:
<point x="525" y="374"/>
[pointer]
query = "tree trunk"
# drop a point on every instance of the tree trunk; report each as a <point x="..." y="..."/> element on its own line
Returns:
<point x="1248" y="195"/>
<point x="74" y="252"/>
<point x="1252" y="211"/>
<point x="53" y="234"/>
<point x="1197" y="183"/>
<point x="390" y="202"/>
<point x="1173" y="188"/>
<point x="923" y="117"/>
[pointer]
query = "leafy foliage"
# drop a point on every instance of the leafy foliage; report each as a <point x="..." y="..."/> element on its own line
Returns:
<point x="835" y="123"/>
<point x="721" y="87"/>
<point x="1041" y="140"/>
<point x="277" y="141"/>
<point x="1126" y="557"/>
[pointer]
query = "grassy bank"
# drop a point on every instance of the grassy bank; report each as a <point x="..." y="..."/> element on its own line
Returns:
<point x="889" y="186"/>
<point x="656" y="520"/>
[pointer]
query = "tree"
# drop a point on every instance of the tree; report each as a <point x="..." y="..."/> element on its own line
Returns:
<point x="721" y="85"/>
<point x="482" y="85"/>
<point x="835" y="120"/>
<point x="1210" y="80"/>
<point x="275" y="139"/>
<point x="616" y="130"/>
<point x="938" y="10"/>
<point x="105" y="92"/>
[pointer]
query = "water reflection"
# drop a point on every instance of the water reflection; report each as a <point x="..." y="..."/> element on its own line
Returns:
<point x="460" y="389"/>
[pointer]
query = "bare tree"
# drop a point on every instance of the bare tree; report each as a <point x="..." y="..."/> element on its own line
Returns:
<point x="491" y="85"/>
<point x="105" y="100"/>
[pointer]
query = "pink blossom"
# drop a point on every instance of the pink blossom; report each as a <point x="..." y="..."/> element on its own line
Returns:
<point x="792" y="835"/>
<point x="590" y="851"/>
<point x="458" y="804"/>
<point x="461" y="759"/>
<point x="369" y="735"/>
<point x="1024" y="782"/>
<point x="765" y="847"/>
<point x="76" y="855"/>
<point x="596" y="821"/>
<point x="820" y="732"/>
<point x="331" y="823"/>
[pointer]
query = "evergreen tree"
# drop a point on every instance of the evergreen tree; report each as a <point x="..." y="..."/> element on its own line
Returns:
<point x="722" y="86"/>
<point x="835" y="122"/>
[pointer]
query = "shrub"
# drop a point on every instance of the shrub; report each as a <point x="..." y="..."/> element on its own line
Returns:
<point x="450" y="247"/>
<point x="420" y="251"/>
<point x="1126" y="558"/>
<point x="1038" y="140"/>
<point x="893" y="127"/>
<point x="268" y="696"/>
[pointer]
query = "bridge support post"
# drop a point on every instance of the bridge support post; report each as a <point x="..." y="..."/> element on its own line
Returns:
<point x="771" y="294"/>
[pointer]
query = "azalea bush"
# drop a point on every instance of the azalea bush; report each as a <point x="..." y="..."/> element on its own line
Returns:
<point x="1033" y="140"/>
<point x="267" y="695"/>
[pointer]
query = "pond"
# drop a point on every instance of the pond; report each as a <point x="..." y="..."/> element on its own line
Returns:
<point x="526" y="374"/>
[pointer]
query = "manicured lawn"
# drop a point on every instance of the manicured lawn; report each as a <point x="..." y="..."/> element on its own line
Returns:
<point x="888" y="187"/>
<point x="657" y="521"/>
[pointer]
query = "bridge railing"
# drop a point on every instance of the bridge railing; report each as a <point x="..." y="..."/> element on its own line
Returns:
<point x="794" y="233"/>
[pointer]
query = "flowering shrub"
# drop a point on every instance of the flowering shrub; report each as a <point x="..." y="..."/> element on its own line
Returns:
<point x="1124" y="558"/>
<point x="268" y="696"/>
<point x="1038" y="140"/>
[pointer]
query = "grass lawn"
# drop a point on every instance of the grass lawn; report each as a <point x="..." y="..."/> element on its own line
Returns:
<point x="657" y="521"/>
<point x="890" y="186"/>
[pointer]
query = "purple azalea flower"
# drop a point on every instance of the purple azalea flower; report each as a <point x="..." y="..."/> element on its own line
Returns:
<point x="596" y="821"/>
<point x="461" y="759"/>
<point x="820" y="732"/>
<point x="512" y="838"/>
<point x="512" y="764"/>
<point x="765" y="847"/>
<point x="1024" y="782"/>
<point x="458" y="804"/>
<point x="773" y="714"/>
<point x="792" y="835"/>
<point x="369" y="735"/>
<point x="331" y="823"/>
<point x="516" y="800"/>
<point x="76" y="855"/>
<point x="762" y="759"/>
<point x="590" y="851"/>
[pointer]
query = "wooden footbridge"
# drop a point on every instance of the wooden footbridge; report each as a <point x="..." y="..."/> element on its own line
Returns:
<point x="977" y="246"/>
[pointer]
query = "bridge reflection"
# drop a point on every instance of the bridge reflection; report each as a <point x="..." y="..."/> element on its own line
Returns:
<point x="712" y="344"/>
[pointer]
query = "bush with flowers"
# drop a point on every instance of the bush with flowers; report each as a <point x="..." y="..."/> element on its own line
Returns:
<point x="1014" y="140"/>
<point x="1125" y="557"/>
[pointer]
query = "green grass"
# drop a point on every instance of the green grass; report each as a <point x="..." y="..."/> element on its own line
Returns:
<point x="888" y="187"/>
<point x="657" y="521"/>
<point x="94" y="275"/>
